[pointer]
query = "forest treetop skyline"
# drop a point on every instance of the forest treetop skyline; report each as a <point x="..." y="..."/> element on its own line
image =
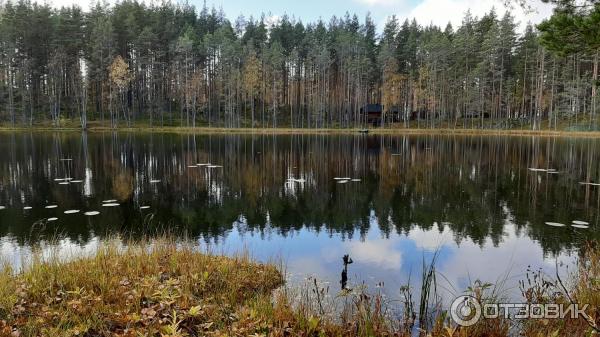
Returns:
<point x="425" y="12"/>
<point x="178" y="65"/>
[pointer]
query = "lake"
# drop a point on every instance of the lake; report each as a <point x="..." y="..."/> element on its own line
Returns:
<point x="480" y="203"/>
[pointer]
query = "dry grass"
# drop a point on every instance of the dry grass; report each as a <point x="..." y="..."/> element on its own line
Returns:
<point x="169" y="289"/>
<point x="582" y="287"/>
<point x="444" y="128"/>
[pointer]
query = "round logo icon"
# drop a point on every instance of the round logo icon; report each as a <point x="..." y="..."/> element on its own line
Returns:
<point x="465" y="310"/>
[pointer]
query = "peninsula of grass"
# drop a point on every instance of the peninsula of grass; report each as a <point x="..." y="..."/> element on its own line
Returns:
<point x="162" y="289"/>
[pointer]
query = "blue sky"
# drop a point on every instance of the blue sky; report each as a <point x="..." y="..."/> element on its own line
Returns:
<point x="438" y="12"/>
<point x="312" y="10"/>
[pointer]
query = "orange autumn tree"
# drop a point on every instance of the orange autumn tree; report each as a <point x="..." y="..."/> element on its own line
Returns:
<point x="120" y="78"/>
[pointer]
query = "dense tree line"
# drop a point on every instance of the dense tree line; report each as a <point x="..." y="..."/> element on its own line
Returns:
<point x="171" y="64"/>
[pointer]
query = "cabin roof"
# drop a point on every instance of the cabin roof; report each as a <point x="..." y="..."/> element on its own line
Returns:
<point x="371" y="108"/>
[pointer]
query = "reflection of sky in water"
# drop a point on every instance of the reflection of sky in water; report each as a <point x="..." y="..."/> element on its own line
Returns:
<point x="393" y="260"/>
<point x="386" y="222"/>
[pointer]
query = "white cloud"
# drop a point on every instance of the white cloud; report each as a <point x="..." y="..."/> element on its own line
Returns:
<point x="440" y="12"/>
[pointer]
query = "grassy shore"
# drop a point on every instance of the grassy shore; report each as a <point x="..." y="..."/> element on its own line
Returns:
<point x="564" y="129"/>
<point x="169" y="288"/>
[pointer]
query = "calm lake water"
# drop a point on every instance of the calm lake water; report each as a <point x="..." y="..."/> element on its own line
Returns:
<point x="474" y="200"/>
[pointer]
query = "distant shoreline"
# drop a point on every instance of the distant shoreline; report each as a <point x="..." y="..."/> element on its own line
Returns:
<point x="285" y="130"/>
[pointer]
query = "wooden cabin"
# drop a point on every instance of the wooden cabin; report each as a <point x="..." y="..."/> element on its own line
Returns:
<point x="372" y="113"/>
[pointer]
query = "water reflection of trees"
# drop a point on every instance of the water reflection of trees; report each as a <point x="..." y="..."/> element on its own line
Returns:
<point x="474" y="185"/>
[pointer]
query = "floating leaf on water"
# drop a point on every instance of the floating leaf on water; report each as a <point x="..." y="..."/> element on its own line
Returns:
<point x="341" y="178"/>
<point x="2" y="207"/>
<point x="64" y="183"/>
<point x="214" y="166"/>
<point x="51" y="206"/>
<point x="537" y="169"/>
<point x="76" y="181"/>
<point x="60" y="179"/>
<point x="72" y="211"/>
<point x="579" y="222"/>
<point x="580" y="226"/>
<point x="154" y="181"/>
<point x="66" y="159"/>
<point x="588" y="183"/>
<point x="27" y="207"/>
<point x="91" y="213"/>
<point x="203" y="164"/>
<point x="52" y="219"/>
<point x="144" y="207"/>
<point x="355" y="179"/>
<point x="192" y="166"/>
<point x="553" y="172"/>
<point x="109" y="201"/>
<point x="110" y="204"/>
<point x="343" y="181"/>
<point x="555" y="224"/>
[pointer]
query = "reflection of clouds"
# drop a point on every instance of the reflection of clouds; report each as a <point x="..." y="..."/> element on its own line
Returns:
<point x="372" y="252"/>
<point x="503" y="265"/>
<point x="13" y="253"/>
<point x="381" y="252"/>
<point x="431" y="240"/>
<point x="393" y="259"/>
<point x="311" y="266"/>
<point x="20" y="256"/>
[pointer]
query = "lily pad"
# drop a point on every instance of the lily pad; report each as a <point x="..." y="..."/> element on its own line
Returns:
<point x="589" y="183"/>
<point x="555" y="224"/>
